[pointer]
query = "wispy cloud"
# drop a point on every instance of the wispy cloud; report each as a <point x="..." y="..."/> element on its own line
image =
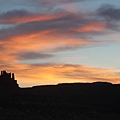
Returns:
<point x="57" y="2"/>
<point x="33" y="56"/>
<point x="22" y="16"/>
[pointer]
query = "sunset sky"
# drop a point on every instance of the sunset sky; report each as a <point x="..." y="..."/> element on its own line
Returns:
<point x="60" y="41"/>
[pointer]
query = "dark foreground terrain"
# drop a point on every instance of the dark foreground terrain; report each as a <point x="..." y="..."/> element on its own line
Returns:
<point x="76" y="101"/>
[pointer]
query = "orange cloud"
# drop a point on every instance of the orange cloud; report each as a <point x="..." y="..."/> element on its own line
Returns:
<point x="40" y="41"/>
<point x="32" y="17"/>
<point x="92" y="26"/>
<point x="28" y="19"/>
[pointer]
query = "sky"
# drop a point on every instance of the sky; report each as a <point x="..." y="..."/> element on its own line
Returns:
<point x="60" y="41"/>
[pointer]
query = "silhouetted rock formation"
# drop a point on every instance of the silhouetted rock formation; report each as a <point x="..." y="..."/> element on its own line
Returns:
<point x="7" y="81"/>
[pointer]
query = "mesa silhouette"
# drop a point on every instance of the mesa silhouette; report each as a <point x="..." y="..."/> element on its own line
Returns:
<point x="64" y="100"/>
